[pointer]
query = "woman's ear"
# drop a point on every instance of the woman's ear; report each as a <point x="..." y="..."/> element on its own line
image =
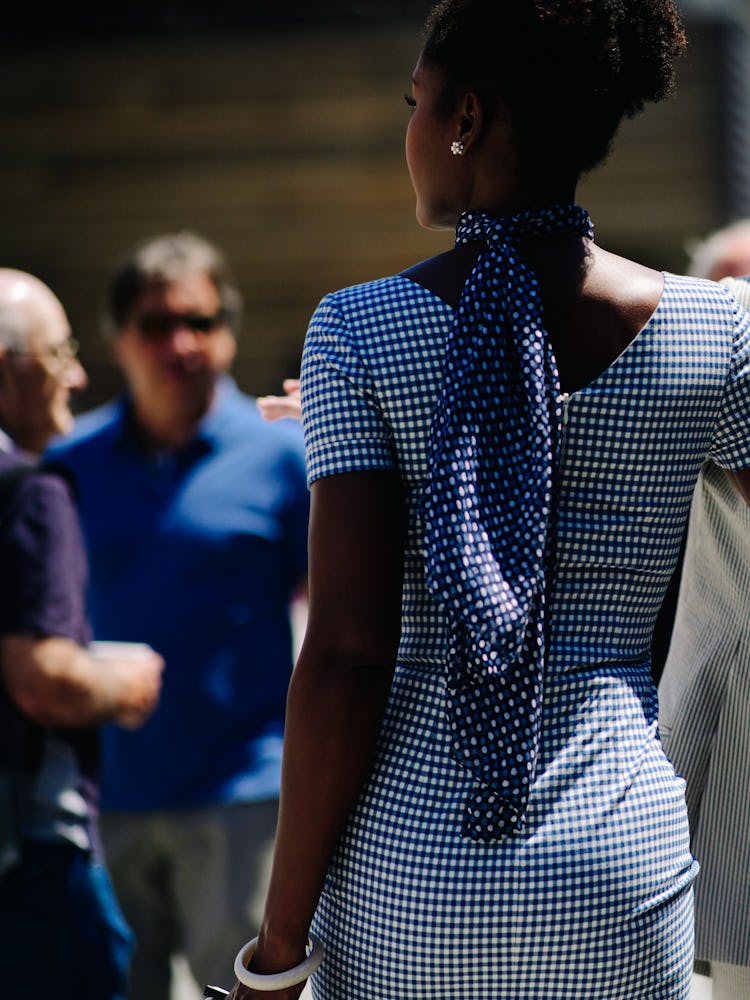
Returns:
<point x="471" y="120"/>
<point x="480" y="121"/>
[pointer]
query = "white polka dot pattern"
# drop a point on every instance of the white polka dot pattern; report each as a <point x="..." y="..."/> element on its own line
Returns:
<point x="487" y="505"/>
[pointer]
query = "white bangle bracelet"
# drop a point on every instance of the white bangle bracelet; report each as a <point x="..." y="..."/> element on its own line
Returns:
<point x="277" y="980"/>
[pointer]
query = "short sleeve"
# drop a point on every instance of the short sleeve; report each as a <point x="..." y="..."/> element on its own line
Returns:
<point x="730" y="443"/>
<point x="345" y="430"/>
<point x="43" y="579"/>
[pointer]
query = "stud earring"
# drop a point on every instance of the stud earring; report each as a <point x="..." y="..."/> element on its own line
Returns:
<point x="457" y="147"/>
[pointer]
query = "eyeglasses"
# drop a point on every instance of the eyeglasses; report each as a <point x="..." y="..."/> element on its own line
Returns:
<point x="60" y="354"/>
<point x="159" y="325"/>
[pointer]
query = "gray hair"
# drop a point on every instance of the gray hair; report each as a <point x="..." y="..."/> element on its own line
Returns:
<point x="168" y="258"/>
<point x="705" y="254"/>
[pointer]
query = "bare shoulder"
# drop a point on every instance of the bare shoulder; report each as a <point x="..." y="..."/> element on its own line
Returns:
<point x="594" y="307"/>
<point x="623" y="283"/>
<point x="445" y="274"/>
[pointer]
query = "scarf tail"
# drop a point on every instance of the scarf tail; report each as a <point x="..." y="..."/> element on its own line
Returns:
<point x="488" y="513"/>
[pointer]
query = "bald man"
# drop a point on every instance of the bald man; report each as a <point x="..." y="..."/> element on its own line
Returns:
<point x="724" y="253"/>
<point x="58" y="915"/>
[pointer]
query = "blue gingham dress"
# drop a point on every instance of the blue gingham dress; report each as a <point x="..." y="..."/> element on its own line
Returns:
<point x="593" y="899"/>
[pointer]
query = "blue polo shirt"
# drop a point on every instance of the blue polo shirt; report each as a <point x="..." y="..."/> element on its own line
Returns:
<point x="197" y="553"/>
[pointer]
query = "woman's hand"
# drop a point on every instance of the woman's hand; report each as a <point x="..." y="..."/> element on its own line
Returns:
<point x="289" y="405"/>
<point x="262" y="958"/>
<point x="241" y="992"/>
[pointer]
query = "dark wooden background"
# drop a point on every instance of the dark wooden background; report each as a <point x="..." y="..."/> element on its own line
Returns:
<point x="282" y="140"/>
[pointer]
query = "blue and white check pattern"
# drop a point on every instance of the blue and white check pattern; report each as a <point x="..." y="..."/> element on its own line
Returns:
<point x="593" y="897"/>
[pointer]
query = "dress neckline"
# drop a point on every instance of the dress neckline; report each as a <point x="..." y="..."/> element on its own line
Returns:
<point x="615" y="363"/>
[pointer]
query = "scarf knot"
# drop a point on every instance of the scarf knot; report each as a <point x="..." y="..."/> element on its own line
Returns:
<point x="487" y="508"/>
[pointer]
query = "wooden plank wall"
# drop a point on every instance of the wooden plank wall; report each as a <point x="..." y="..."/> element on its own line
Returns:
<point x="286" y="148"/>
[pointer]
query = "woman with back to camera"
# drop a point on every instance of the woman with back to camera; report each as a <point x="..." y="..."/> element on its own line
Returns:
<point x="502" y="444"/>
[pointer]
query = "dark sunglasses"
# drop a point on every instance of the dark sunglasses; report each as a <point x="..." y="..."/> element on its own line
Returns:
<point x="156" y="325"/>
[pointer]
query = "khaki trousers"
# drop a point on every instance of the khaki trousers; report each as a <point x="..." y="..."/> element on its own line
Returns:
<point x="191" y="882"/>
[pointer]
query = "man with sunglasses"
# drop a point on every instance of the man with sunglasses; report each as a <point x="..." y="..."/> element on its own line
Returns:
<point x="57" y="908"/>
<point x="195" y="516"/>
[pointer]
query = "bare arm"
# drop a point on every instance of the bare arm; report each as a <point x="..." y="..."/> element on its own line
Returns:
<point x="55" y="682"/>
<point x="337" y="698"/>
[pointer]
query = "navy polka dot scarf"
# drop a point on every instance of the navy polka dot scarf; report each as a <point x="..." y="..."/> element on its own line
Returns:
<point x="487" y="506"/>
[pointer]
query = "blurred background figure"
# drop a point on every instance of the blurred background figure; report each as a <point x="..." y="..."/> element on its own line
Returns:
<point x="704" y="693"/>
<point x="725" y="253"/>
<point x="288" y="405"/>
<point x="195" y="516"/>
<point x="53" y="693"/>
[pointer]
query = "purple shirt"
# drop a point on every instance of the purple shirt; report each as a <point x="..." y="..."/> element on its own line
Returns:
<point x="43" y="579"/>
<point x="43" y="575"/>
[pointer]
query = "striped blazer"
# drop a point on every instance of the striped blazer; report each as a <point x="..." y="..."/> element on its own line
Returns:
<point x="704" y="713"/>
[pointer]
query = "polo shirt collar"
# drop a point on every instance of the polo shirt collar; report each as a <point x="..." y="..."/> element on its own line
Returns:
<point x="207" y="435"/>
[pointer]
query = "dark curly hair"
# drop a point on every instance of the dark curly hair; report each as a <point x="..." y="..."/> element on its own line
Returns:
<point x="569" y="71"/>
